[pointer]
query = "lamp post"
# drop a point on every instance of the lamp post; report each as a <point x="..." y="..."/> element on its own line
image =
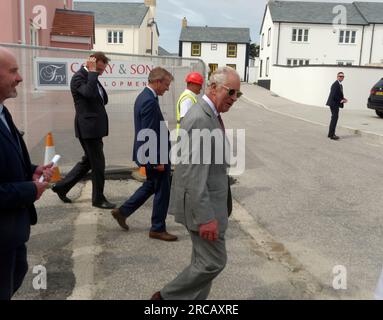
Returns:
<point x="151" y="23"/>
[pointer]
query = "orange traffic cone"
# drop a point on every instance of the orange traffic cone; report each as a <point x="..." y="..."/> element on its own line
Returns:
<point x="140" y="174"/>
<point x="142" y="171"/>
<point x="49" y="154"/>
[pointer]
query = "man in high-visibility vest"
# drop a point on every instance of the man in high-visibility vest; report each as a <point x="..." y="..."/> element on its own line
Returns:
<point x="194" y="81"/>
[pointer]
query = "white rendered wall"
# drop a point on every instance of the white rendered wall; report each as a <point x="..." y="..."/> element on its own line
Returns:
<point x="268" y="51"/>
<point x="130" y="43"/>
<point x="311" y="85"/>
<point x="377" y="51"/>
<point x="323" y="45"/>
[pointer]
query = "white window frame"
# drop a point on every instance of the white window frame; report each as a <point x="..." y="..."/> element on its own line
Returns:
<point x="346" y="36"/>
<point x="116" y="37"/>
<point x="214" y="47"/>
<point x="345" y="62"/>
<point x="267" y="66"/>
<point x="297" y="62"/>
<point x="300" y="35"/>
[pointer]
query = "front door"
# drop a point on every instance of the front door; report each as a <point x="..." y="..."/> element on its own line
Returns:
<point x="212" y="68"/>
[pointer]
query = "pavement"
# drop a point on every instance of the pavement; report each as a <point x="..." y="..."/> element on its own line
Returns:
<point x="363" y="122"/>
<point x="88" y="256"/>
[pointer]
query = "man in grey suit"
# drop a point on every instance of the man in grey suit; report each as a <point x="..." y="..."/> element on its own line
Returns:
<point x="200" y="189"/>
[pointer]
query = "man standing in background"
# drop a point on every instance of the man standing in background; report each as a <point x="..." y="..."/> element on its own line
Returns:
<point x="194" y="82"/>
<point x="335" y="101"/>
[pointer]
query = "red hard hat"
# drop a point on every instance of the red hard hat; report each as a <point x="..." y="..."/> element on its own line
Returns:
<point x="194" y="77"/>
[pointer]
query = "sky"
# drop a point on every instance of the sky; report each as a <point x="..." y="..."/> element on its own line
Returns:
<point x="213" y="13"/>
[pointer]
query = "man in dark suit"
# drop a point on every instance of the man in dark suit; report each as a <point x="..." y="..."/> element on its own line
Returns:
<point x="91" y="125"/>
<point x="148" y="119"/>
<point x="335" y="101"/>
<point x="19" y="186"/>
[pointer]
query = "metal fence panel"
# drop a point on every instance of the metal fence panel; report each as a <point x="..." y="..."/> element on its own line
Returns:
<point x="38" y="110"/>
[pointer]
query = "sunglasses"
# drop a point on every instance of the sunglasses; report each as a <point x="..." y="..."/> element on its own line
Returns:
<point x="340" y="76"/>
<point x="232" y="92"/>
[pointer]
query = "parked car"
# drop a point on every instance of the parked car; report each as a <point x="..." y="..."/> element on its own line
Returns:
<point x="375" y="100"/>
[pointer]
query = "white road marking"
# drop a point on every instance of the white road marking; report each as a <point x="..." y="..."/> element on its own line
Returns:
<point x="84" y="249"/>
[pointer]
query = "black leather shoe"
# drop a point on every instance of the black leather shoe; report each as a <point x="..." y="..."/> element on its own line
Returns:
<point x="104" y="205"/>
<point x="61" y="195"/>
<point x="334" y="137"/>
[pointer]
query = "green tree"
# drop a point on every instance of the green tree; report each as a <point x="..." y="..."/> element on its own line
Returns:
<point x="254" y="50"/>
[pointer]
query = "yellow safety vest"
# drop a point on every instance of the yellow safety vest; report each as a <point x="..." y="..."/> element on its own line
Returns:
<point x="184" y="95"/>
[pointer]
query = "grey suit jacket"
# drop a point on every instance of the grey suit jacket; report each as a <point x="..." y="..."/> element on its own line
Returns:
<point x="199" y="192"/>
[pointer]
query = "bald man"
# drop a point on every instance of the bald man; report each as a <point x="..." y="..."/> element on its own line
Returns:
<point x="19" y="186"/>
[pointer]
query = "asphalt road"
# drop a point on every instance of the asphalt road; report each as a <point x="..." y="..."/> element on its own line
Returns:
<point x="304" y="205"/>
<point x="320" y="198"/>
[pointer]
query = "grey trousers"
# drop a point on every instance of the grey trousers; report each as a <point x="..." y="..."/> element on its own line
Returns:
<point x="195" y="281"/>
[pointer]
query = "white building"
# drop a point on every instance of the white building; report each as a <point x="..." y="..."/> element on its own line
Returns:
<point x="298" y="33"/>
<point x="124" y="27"/>
<point x="216" y="46"/>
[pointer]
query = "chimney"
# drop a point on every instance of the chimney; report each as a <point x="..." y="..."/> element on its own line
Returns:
<point x="184" y="22"/>
<point x="150" y="3"/>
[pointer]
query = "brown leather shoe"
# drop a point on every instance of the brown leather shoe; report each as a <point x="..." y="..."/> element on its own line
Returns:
<point x="156" y="296"/>
<point x="162" y="236"/>
<point x="116" y="213"/>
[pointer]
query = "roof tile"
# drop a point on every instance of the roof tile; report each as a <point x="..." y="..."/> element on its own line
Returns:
<point x="73" y="23"/>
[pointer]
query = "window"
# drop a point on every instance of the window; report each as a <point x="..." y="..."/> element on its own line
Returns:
<point x="262" y="40"/>
<point x="231" y="50"/>
<point x="234" y="66"/>
<point x="267" y="66"/>
<point x="212" y="68"/>
<point x="347" y="36"/>
<point x="298" y="62"/>
<point x="115" y="36"/>
<point x="260" y="68"/>
<point x="196" y="49"/>
<point x="300" y="35"/>
<point x="213" y="47"/>
<point x="269" y="37"/>
<point x="345" y="62"/>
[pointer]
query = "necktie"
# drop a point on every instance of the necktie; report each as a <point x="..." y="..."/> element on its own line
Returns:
<point x="4" y="120"/>
<point x="100" y="91"/>
<point x="12" y="129"/>
<point x="221" y="122"/>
